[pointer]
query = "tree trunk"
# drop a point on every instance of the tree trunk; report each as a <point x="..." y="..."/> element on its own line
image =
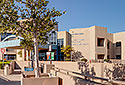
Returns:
<point x="36" y="58"/>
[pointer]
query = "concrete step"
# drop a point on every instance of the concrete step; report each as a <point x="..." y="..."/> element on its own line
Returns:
<point x="17" y="71"/>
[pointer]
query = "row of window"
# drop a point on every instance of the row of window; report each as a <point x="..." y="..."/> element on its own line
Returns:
<point x="100" y="42"/>
<point x="101" y="56"/>
<point x="53" y="38"/>
<point x="5" y="35"/>
<point x="77" y="33"/>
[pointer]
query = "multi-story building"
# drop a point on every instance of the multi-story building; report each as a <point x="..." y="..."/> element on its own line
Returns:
<point x="119" y="45"/>
<point x="63" y="39"/>
<point x="96" y="43"/>
<point x="11" y="43"/>
<point x="93" y="42"/>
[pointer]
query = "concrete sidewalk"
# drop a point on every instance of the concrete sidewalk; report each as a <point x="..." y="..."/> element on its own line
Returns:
<point x="10" y="79"/>
<point x="13" y="77"/>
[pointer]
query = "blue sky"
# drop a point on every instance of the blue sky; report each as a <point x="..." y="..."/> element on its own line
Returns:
<point x="86" y="13"/>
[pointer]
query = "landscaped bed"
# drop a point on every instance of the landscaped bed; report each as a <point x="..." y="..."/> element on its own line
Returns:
<point x="2" y="64"/>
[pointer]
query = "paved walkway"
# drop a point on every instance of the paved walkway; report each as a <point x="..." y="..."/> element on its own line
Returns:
<point x="13" y="77"/>
<point x="10" y="79"/>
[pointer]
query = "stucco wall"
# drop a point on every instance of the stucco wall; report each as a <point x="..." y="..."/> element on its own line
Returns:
<point x="88" y="46"/>
<point x="40" y="81"/>
<point x="119" y="37"/>
<point x="98" y="68"/>
<point x="66" y="36"/>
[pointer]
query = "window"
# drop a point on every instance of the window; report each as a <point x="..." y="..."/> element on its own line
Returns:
<point x="118" y="44"/>
<point x="77" y="33"/>
<point x="60" y="42"/>
<point x="10" y="56"/>
<point x="51" y="42"/>
<point x="10" y="50"/>
<point x="108" y="57"/>
<point x="118" y="56"/>
<point x="5" y="35"/>
<point x="101" y="56"/>
<point x="100" y="42"/>
<point x="53" y="37"/>
<point x="108" y="45"/>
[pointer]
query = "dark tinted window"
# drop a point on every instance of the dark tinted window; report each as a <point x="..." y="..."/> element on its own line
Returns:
<point x="101" y="56"/>
<point x="5" y="35"/>
<point x="100" y="41"/>
<point x="118" y="44"/>
<point x="118" y="56"/>
<point x="108" y="45"/>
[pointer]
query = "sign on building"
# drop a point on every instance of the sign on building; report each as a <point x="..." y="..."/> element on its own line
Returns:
<point x="2" y="50"/>
<point x="50" y="55"/>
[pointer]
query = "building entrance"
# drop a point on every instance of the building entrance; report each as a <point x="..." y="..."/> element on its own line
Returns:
<point x="42" y="56"/>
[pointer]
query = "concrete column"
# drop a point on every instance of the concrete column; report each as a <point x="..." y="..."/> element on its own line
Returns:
<point x="48" y="67"/>
<point x="27" y="56"/>
<point x="102" y="71"/>
<point x="6" y="70"/>
<point x="24" y="54"/>
<point x="0" y="56"/>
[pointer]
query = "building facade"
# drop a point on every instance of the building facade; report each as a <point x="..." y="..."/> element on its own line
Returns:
<point x="93" y="42"/>
<point x="96" y="43"/>
<point x="13" y="51"/>
<point x="63" y="39"/>
<point x="119" y="45"/>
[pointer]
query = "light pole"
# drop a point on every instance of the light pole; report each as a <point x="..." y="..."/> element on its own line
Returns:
<point x="50" y="49"/>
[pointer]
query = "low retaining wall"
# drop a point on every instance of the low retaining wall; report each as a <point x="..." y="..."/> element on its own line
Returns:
<point x="40" y="81"/>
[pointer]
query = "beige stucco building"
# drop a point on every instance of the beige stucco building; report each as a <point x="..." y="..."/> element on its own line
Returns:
<point x="65" y="37"/>
<point x="10" y="43"/>
<point x="119" y="39"/>
<point x="96" y="43"/>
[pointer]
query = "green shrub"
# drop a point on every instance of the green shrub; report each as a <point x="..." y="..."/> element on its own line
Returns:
<point x="106" y="60"/>
<point x="20" y="53"/>
<point x="84" y="59"/>
<point x="67" y="59"/>
<point x="1" y="66"/>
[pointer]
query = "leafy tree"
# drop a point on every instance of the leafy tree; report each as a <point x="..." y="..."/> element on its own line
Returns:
<point x="76" y="55"/>
<point x="30" y="19"/>
<point x="67" y="51"/>
<point x="20" y="53"/>
<point x="27" y="45"/>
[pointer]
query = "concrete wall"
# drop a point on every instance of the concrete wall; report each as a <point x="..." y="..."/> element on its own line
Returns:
<point x="66" y="79"/>
<point x="40" y="81"/>
<point x="101" y="32"/>
<point x="85" y="41"/>
<point x="119" y="37"/>
<point x="66" y="36"/>
<point x="97" y="68"/>
<point x="81" y="41"/>
<point x="73" y="66"/>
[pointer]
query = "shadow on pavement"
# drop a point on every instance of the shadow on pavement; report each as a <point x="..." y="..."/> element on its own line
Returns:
<point x="7" y="82"/>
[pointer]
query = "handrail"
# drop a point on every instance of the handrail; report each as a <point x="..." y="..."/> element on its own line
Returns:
<point x="89" y="76"/>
